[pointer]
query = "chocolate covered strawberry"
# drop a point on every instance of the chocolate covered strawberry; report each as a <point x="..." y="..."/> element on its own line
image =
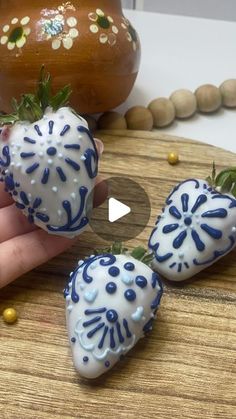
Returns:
<point x="48" y="160"/>
<point x="197" y="226"/>
<point x="111" y="301"/>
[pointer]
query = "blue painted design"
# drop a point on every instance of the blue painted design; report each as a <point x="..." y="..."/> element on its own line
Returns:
<point x="92" y="321"/>
<point x="32" y="168"/>
<point x="213" y="232"/>
<point x="72" y="146"/>
<point x="198" y="242"/>
<point x="45" y="176"/>
<point x="107" y="364"/>
<point x="186" y="265"/>
<point x="50" y="126"/>
<point x="27" y="155"/>
<point x="141" y="281"/>
<point x="53" y="26"/>
<point x="169" y="228"/>
<point x="217" y="254"/>
<point x="114" y="271"/>
<point x="172" y="265"/>
<point x="217" y="213"/>
<point x="76" y="223"/>
<point x="107" y="329"/>
<point x="101" y="343"/>
<point x="148" y="326"/>
<point x="72" y="164"/>
<point x="222" y="196"/>
<point x="65" y="130"/>
<point x="85" y="130"/>
<point x="111" y="316"/>
<point x="175" y="212"/>
<point x="111" y="287"/>
<point x="61" y="174"/>
<point x="73" y="340"/>
<point x="29" y="140"/>
<point x="32" y="209"/>
<point x="130" y="295"/>
<point x="95" y="311"/>
<point x="51" y="151"/>
<point x="126" y="327"/>
<point x="185" y="201"/>
<point x="156" y="280"/>
<point x="85" y="359"/>
<point x="37" y="129"/>
<point x="188" y="221"/>
<point x="157" y="299"/>
<point x="178" y="241"/>
<point x="129" y="266"/>
<point x="176" y="188"/>
<point x="201" y="199"/>
<point x="112" y="340"/>
<point x="179" y="267"/>
<point x="91" y="162"/>
<point x="7" y="159"/>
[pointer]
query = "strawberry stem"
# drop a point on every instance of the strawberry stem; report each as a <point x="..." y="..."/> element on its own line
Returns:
<point x="225" y="180"/>
<point x="31" y="107"/>
<point x="139" y="253"/>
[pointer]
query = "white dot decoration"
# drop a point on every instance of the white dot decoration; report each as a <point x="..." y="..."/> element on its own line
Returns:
<point x="6" y="28"/>
<point x="25" y="20"/>
<point x="14" y="21"/>
<point x="94" y="28"/>
<point x="71" y="22"/>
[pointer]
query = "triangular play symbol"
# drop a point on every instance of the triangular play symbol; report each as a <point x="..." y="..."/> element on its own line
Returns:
<point x="116" y="210"/>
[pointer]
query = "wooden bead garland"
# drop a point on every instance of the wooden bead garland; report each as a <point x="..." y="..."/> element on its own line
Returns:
<point x="208" y="98"/>
<point x="139" y="118"/>
<point x="185" y="103"/>
<point x="161" y="112"/>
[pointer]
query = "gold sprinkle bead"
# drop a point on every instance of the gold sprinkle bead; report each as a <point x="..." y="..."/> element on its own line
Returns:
<point x="10" y="315"/>
<point x="173" y="158"/>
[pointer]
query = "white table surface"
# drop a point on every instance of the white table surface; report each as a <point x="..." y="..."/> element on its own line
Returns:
<point x="185" y="52"/>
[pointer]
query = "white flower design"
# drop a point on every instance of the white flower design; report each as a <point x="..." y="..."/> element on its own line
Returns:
<point x="131" y="33"/>
<point x="60" y="30"/>
<point x="15" y="33"/>
<point x="103" y="23"/>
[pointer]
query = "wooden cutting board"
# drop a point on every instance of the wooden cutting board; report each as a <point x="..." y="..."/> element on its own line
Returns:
<point x="184" y="369"/>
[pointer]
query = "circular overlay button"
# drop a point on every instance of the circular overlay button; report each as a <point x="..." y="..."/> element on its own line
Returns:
<point x="124" y="214"/>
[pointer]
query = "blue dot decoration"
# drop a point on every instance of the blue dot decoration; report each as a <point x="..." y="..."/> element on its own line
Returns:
<point x="51" y="151"/>
<point x="141" y="281"/>
<point x="107" y="364"/>
<point x="114" y="271"/>
<point x="129" y="266"/>
<point x="111" y="316"/>
<point x="73" y="340"/>
<point x="111" y="287"/>
<point x="85" y="359"/>
<point x="130" y="295"/>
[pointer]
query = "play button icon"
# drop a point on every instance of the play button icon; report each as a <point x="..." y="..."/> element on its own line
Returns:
<point x="124" y="214"/>
<point x="117" y="210"/>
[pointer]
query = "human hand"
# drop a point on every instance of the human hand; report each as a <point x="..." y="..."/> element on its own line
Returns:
<point x="23" y="246"/>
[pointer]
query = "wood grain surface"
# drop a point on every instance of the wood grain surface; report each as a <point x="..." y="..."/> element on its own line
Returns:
<point x="185" y="369"/>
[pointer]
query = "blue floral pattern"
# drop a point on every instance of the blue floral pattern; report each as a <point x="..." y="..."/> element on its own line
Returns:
<point x="192" y="223"/>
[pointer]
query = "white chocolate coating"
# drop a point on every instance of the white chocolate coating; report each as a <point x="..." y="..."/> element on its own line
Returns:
<point x="197" y="227"/>
<point x="49" y="168"/>
<point x="111" y="302"/>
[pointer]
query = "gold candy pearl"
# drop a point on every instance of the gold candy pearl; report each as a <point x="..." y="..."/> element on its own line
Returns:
<point x="10" y="315"/>
<point x="173" y="158"/>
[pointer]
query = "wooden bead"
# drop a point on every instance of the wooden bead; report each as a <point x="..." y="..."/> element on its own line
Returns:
<point x="163" y="112"/>
<point x="112" y="120"/>
<point x="10" y="315"/>
<point x="173" y="158"/>
<point x="92" y="123"/>
<point x="228" y="93"/>
<point x="185" y="103"/>
<point x="139" y="118"/>
<point x="208" y="98"/>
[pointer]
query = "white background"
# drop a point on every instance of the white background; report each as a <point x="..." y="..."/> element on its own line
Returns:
<point x="215" y="9"/>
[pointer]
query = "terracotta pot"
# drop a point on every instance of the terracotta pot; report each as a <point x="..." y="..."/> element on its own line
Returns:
<point x="94" y="49"/>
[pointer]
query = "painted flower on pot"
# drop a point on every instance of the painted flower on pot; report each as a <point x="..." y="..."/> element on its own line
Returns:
<point x="15" y="33"/>
<point x="131" y="33"/>
<point x="104" y="26"/>
<point x="60" y="30"/>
